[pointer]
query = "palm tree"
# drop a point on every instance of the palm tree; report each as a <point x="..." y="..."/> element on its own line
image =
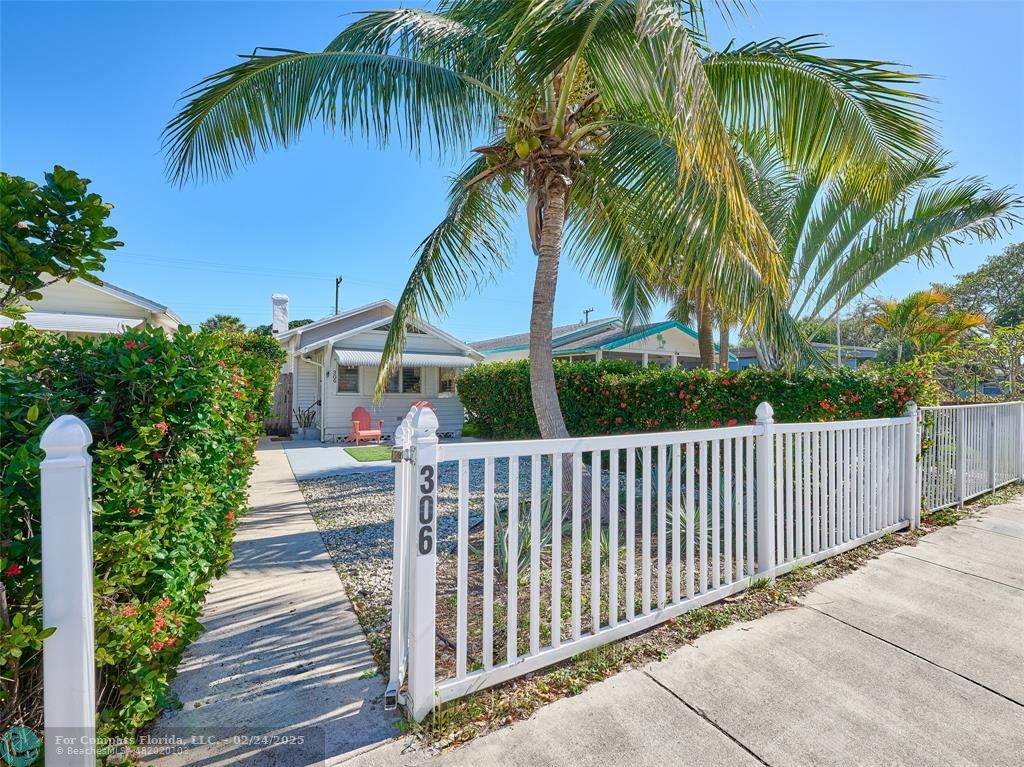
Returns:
<point x="224" y="322"/>
<point x="838" y="237"/>
<point x="607" y="121"/>
<point x="925" y="320"/>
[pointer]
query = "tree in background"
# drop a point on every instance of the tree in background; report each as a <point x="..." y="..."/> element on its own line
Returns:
<point x="53" y="232"/>
<point x="227" y="323"/>
<point x="264" y="330"/>
<point x="962" y="368"/>
<point x="995" y="289"/>
<point x="924" y="320"/>
<point x="608" y="124"/>
<point x="839" y="236"/>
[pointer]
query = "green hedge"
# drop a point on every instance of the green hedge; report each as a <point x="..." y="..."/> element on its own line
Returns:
<point x="616" y="397"/>
<point x="175" y="423"/>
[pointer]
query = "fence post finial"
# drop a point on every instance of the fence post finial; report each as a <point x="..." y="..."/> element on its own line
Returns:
<point x="69" y="666"/>
<point x="765" y="484"/>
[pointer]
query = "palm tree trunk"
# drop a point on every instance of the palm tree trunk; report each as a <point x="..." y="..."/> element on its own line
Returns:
<point x="705" y="336"/>
<point x="542" y="371"/>
<point x="723" y="343"/>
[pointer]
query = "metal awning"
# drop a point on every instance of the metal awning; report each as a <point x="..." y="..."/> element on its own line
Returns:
<point x="75" y="323"/>
<point x="409" y="359"/>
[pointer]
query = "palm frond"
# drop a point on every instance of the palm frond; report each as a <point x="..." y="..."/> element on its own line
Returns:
<point x="823" y="113"/>
<point x="273" y="95"/>
<point x="462" y="254"/>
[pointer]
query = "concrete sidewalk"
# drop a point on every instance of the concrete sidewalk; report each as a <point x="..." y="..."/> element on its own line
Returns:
<point x="917" y="658"/>
<point x="283" y="658"/>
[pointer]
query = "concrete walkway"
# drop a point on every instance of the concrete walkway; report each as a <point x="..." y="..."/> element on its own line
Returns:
<point x="312" y="460"/>
<point x="283" y="658"/>
<point x="915" y="659"/>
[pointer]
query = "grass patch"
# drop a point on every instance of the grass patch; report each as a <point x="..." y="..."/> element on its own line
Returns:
<point x="375" y="453"/>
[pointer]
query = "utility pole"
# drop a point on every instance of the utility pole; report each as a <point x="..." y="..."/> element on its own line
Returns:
<point x="337" y="289"/>
<point x="586" y="314"/>
<point x="839" y="342"/>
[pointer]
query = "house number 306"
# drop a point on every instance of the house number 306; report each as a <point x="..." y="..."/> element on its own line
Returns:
<point x="425" y="541"/>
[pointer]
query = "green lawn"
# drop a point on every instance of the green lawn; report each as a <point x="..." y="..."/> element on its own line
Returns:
<point x="375" y="453"/>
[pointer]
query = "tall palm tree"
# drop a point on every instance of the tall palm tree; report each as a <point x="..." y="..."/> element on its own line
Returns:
<point x="838" y="236"/>
<point x="607" y="121"/>
<point x="925" y="320"/>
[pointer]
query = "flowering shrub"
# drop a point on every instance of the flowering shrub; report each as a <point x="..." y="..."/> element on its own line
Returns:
<point x="174" y="424"/>
<point x="611" y="398"/>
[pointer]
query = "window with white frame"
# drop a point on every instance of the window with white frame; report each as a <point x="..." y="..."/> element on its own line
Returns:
<point x="446" y="381"/>
<point x="405" y="381"/>
<point x="348" y="379"/>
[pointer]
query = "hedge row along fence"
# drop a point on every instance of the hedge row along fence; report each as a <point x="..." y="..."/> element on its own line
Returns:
<point x="175" y="423"/>
<point x="617" y="398"/>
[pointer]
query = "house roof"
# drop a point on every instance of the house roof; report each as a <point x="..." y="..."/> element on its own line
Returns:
<point x="336" y="317"/>
<point x="560" y="334"/>
<point x="132" y="298"/>
<point x="605" y="335"/>
<point x="383" y="303"/>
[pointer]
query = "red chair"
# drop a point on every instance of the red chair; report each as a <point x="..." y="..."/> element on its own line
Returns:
<point x="361" y="427"/>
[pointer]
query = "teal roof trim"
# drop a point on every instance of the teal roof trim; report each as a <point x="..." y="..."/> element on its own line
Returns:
<point x="518" y="348"/>
<point x="646" y="333"/>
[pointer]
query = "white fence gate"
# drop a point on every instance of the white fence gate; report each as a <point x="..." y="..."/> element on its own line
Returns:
<point x="970" y="450"/>
<point x="511" y="556"/>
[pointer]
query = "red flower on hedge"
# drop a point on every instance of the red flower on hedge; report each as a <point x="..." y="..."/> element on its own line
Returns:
<point x="715" y="422"/>
<point x="149" y="360"/>
<point x="156" y="646"/>
<point x="161" y="426"/>
<point x="128" y="611"/>
<point x="134" y="510"/>
<point x="230" y="517"/>
<point x="13" y="570"/>
<point x="157" y="455"/>
<point x="732" y="422"/>
<point x="119" y="447"/>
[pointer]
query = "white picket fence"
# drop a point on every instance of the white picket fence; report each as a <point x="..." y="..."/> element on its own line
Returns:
<point x="970" y="450"/>
<point x="548" y="548"/>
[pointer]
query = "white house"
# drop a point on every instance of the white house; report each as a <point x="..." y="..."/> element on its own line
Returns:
<point x="668" y="343"/>
<point x="334" y="361"/>
<point x="82" y="308"/>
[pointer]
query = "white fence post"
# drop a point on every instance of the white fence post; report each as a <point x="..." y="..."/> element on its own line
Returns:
<point x="69" y="667"/>
<point x="400" y="457"/>
<point x="1020" y="442"/>
<point x="992" y="423"/>
<point x="423" y="551"/>
<point x="912" y="497"/>
<point x="961" y="459"/>
<point x="765" y="493"/>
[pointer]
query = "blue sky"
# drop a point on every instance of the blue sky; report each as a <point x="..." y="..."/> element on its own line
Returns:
<point x="90" y="86"/>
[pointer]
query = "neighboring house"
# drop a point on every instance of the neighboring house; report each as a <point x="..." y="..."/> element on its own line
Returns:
<point x="334" y="361"/>
<point x="80" y="308"/>
<point x="667" y="344"/>
<point x="852" y="356"/>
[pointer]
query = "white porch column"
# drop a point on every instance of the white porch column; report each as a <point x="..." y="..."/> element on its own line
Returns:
<point x="599" y="356"/>
<point x="643" y="360"/>
<point x="675" y="359"/>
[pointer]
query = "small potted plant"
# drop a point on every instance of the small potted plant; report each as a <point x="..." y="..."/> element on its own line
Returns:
<point x="306" y="418"/>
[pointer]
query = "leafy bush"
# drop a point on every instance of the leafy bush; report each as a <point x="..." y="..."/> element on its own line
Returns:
<point x="609" y="398"/>
<point x="174" y="423"/>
